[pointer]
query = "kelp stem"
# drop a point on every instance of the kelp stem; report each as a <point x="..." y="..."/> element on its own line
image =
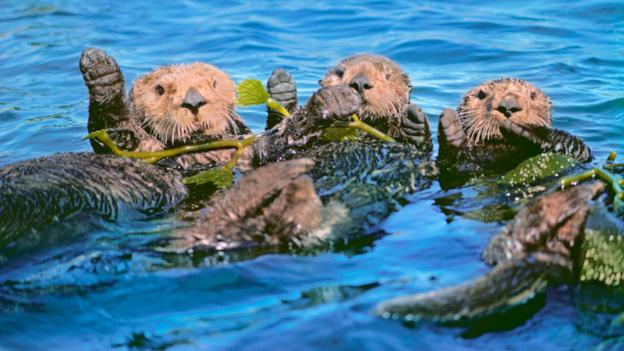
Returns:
<point x="358" y="124"/>
<point x="615" y="182"/>
<point x="274" y="105"/>
<point x="155" y="156"/>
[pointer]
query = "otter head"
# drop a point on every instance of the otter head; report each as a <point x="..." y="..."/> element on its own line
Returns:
<point x="382" y="84"/>
<point x="484" y="107"/>
<point x="174" y="102"/>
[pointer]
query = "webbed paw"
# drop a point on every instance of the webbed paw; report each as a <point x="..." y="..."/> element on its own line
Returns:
<point x="415" y="127"/>
<point x="548" y="140"/>
<point x="334" y="103"/>
<point x="283" y="89"/>
<point x="101" y="75"/>
<point x="450" y="130"/>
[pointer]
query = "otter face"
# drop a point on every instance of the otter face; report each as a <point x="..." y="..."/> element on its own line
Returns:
<point x="485" y="106"/>
<point x="382" y="84"/>
<point x="174" y="102"/>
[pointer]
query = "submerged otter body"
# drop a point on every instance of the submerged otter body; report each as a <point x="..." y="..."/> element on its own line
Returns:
<point x="35" y="194"/>
<point x="272" y="205"/>
<point x="499" y="124"/>
<point x="550" y="241"/>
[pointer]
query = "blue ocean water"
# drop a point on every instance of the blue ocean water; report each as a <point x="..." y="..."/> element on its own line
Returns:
<point x="69" y="297"/>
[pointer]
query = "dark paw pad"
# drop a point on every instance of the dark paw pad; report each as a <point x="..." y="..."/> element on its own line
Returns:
<point x="450" y="128"/>
<point x="282" y="88"/>
<point x="101" y="73"/>
<point x="336" y="102"/>
<point x="415" y="126"/>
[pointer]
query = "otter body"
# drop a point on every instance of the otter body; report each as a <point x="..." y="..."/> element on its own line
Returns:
<point x="550" y="241"/>
<point x="369" y="177"/>
<point x="499" y="124"/>
<point x="35" y="194"/>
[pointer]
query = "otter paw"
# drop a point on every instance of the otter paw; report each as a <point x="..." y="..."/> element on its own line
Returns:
<point x="415" y="127"/>
<point x="283" y="89"/>
<point x="101" y="74"/>
<point x="337" y="102"/>
<point x="450" y="130"/>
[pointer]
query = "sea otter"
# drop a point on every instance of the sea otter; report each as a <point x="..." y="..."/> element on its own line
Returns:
<point x="166" y="107"/>
<point x="499" y="124"/>
<point x="561" y="237"/>
<point x="385" y="91"/>
<point x="273" y="207"/>
<point x="275" y="203"/>
<point x="369" y="177"/>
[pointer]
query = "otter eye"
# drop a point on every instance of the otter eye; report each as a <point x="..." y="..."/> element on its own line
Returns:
<point x="339" y="72"/>
<point x="481" y="94"/>
<point x="533" y="95"/>
<point x="214" y="84"/>
<point x="160" y="90"/>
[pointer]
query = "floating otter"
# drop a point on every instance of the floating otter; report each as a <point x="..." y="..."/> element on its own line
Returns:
<point x="37" y="193"/>
<point x="368" y="177"/>
<point x="275" y="206"/>
<point x="300" y="135"/>
<point x="275" y="203"/>
<point x="498" y="119"/>
<point x="550" y="241"/>
<point x="166" y="107"/>
<point x="385" y="91"/>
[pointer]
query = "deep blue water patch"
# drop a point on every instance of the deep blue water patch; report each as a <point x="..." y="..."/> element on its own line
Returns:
<point x="93" y="294"/>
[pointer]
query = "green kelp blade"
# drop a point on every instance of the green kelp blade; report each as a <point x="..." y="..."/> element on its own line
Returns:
<point x="251" y="92"/>
<point x="537" y="167"/>
<point x="338" y="134"/>
<point x="220" y="177"/>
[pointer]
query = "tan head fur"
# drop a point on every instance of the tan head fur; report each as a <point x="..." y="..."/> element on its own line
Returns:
<point x="174" y="102"/>
<point x="383" y="85"/>
<point x="485" y="106"/>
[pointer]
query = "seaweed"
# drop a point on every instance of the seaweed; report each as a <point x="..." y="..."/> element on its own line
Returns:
<point x="607" y="174"/>
<point x="250" y="92"/>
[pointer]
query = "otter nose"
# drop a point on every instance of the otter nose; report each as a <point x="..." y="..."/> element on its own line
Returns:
<point x="360" y="83"/>
<point x="508" y="106"/>
<point x="193" y="100"/>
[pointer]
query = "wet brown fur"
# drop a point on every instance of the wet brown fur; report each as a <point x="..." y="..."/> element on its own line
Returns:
<point x="480" y="117"/>
<point x="164" y="116"/>
<point x="390" y="92"/>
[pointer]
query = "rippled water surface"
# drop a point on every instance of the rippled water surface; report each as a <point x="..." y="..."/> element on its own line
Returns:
<point x="92" y="292"/>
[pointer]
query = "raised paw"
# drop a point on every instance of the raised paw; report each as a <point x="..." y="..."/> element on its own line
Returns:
<point x="415" y="127"/>
<point x="450" y="130"/>
<point x="101" y="75"/>
<point x="283" y="89"/>
<point x="337" y="102"/>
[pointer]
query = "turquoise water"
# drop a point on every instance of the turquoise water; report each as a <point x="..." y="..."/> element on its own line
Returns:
<point x="97" y="291"/>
